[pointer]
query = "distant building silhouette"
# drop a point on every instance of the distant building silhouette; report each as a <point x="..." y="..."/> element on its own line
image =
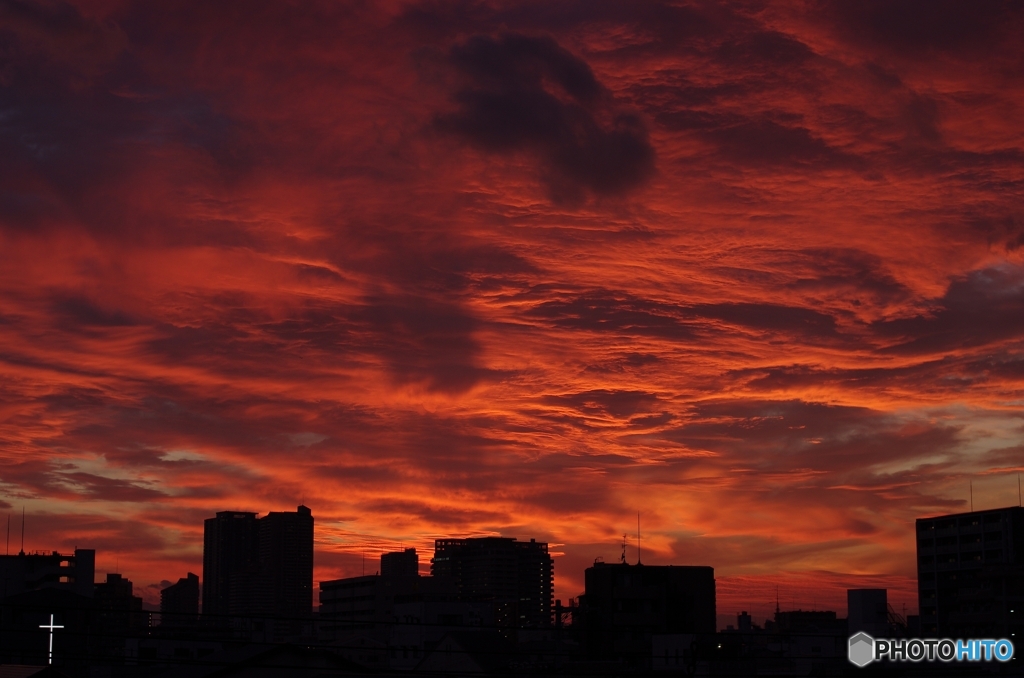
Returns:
<point x="867" y="610"/>
<point x="517" y="576"/>
<point x="397" y="611"/>
<point x="32" y="571"/>
<point x="286" y="563"/>
<point x="625" y="606"/>
<point x="970" y="574"/>
<point x="400" y="564"/>
<point x="365" y="603"/>
<point x="259" y="567"/>
<point x="118" y="608"/>
<point x="807" y="621"/>
<point x="179" y="603"/>
<point x="231" y="554"/>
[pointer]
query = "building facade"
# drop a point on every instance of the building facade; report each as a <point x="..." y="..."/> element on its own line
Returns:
<point x="286" y="564"/>
<point x="518" y="577"/>
<point x="365" y="604"/>
<point x="259" y="567"/>
<point x="970" y="574"/>
<point x="33" y="571"/>
<point x="400" y="564"/>
<point x="179" y="603"/>
<point x="625" y="606"/>
<point x="231" y="556"/>
<point x="118" y="608"/>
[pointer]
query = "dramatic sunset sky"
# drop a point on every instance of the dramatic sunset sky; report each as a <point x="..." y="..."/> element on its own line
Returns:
<point x="467" y="268"/>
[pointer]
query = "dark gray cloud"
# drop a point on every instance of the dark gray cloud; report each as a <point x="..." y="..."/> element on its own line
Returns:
<point x="619" y="311"/>
<point x="605" y="310"/>
<point x="80" y="313"/>
<point x="523" y="93"/>
<point x="92" y="486"/>
<point x="913" y="26"/>
<point x="798" y="434"/>
<point x="756" y="141"/>
<point x="425" y="341"/>
<point x="620" y="404"/>
<point x="982" y="307"/>
<point x="811" y="325"/>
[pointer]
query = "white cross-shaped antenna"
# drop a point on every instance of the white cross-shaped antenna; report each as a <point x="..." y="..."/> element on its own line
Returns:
<point x="52" y="626"/>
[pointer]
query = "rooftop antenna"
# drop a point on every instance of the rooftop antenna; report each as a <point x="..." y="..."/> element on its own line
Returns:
<point x="972" y="496"/>
<point x="22" y="531"/>
<point x="622" y="558"/>
<point x="638" y="538"/>
<point x="9" y="524"/>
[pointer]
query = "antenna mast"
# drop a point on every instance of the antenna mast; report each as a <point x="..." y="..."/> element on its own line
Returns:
<point x="22" y="531"/>
<point x="972" y="496"/>
<point x="622" y="559"/>
<point x="638" y="538"/>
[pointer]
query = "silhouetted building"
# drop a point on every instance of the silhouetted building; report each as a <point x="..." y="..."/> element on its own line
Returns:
<point x="33" y="571"/>
<point x="824" y="622"/>
<point x="626" y="605"/>
<point x="231" y="554"/>
<point x="179" y="603"/>
<point x="117" y="607"/>
<point x="970" y="574"/>
<point x="792" y="643"/>
<point x="366" y="604"/>
<point x="421" y="620"/>
<point x="286" y="564"/>
<point x="355" y="602"/>
<point x="400" y="564"/>
<point x="517" y="576"/>
<point x="259" y="568"/>
<point x="867" y="610"/>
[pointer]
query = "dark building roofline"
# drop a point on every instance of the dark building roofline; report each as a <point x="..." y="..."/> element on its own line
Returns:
<point x="973" y="513"/>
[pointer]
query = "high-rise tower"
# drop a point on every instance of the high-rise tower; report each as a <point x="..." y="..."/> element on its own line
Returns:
<point x="286" y="563"/>
<point x="970" y="574"/>
<point x="230" y="557"/>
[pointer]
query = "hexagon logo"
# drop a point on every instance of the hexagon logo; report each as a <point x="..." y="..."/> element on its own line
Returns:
<point x="862" y="649"/>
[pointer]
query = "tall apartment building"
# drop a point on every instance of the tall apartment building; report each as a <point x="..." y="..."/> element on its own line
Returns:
<point x="231" y="555"/>
<point x="286" y="563"/>
<point x="258" y="566"/>
<point x="179" y="603"/>
<point x="970" y="574"/>
<point x="518" y="577"/>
